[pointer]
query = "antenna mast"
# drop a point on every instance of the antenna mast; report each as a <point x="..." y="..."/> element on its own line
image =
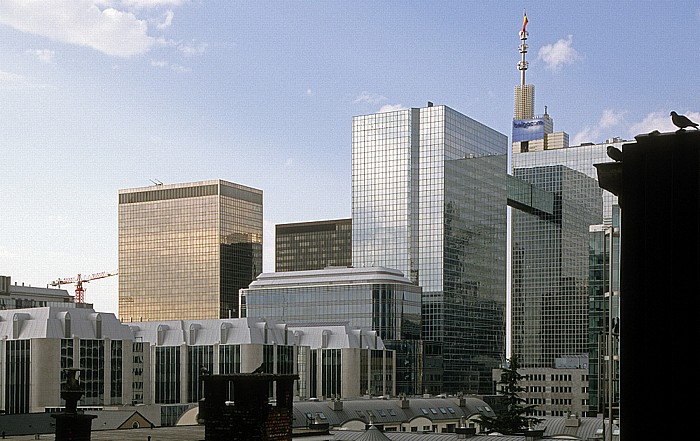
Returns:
<point x="522" y="64"/>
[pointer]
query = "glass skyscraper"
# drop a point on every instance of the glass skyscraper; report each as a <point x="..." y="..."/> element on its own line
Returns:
<point x="429" y="199"/>
<point x="558" y="264"/>
<point x="186" y="249"/>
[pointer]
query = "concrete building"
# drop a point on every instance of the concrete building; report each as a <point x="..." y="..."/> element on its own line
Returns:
<point x="186" y="249"/>
<point x="303" y="246"/>
<point x="38" y="343"/>
<point x="429" y="199"/>
<point x="556" y="391"/>
<point x="161" y="363"/>
<point x="379" y="299"/>
<point x="330" y="359"/>
<point x="21" y="296"/>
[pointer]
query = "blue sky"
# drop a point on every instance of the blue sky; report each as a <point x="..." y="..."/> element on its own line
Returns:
<point x="99" y="95"/>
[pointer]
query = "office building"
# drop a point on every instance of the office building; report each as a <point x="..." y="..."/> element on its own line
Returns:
<point x="331" y="360"/>
<point x="38" y="343"/>
<point x="159" y="363"/>
<point x="429" y="199"/>
<point x="186" y="249"/>
<point x="315" y="245"/>
<point x="562" y="262"/>
<point x="377" y="299"/>
<point x="14" y="296"/>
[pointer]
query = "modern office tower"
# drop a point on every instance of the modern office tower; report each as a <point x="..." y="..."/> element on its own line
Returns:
<point x="315" y="245"/>
<point x="562" y="265"/>
<point x="375" y="299"/>
<point x="429" y="199"/>
<point x="186" y="249"/>
<point x="549" y="258"/>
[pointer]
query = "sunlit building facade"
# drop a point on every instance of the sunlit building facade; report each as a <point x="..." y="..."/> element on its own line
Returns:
<point x="186" y="249"/>
<point x="303" y="246"/>
<point x="429" y="199"/>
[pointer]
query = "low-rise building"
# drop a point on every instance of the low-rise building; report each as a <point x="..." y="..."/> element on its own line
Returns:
<point x="162" y="363"/>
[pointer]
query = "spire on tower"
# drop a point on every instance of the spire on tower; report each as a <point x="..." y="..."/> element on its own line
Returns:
<point x="522" y="64"/>
<point x="524" y="93"/>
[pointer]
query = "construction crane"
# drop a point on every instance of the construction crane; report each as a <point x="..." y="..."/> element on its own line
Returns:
<point x="79" y="280"/>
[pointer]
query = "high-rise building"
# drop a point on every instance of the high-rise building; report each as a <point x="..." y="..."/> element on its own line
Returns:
<point x="186" y="249"/>
<point x="304" y="246"/>
<point x="562" y="264"/>
<point x="429" y="199"/>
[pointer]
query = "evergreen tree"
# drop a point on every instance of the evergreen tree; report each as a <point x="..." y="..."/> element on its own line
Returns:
<point x="513" y="418"/>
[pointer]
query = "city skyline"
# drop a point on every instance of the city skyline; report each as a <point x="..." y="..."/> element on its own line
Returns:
<point x="120" y="94"/>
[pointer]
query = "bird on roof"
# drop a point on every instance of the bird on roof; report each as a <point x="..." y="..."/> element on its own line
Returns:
<point x="682" y="121"/>
<point x="614" y="153"/>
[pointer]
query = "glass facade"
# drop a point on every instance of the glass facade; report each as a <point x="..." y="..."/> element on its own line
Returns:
<point x="186" y="249"/>
<point x="392" y="309"/>
<point x="92" y="371"/>
<point x="373" y="298"/>
<point x="17" y="379"/>
<point x="198" y="357"/>
<point x="557" y="295"/>
<point x="313" y="245"/>
<point x="116" y="379"/>
<point x="137" y="385"/>
<point x="167" y="375"/>
<point x="429" y="199"/>
<point x="603" y="274"/>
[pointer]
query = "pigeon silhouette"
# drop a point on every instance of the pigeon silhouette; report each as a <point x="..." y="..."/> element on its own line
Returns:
<point x="260" y="369"/>
<point x="614" y="153"/>
<point x="682" y="121"/>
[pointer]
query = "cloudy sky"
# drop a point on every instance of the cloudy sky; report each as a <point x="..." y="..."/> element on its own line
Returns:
<point x="99" y="95"/>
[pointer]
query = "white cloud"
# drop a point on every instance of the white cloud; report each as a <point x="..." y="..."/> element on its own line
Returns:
<point x="167" y="19"/>
<point x="602" y="129"/>
<point x="556" y="55"/>
<point x="175" y="67"/>
<point x="390" y="108"/>
<point x="180" y="68"/>
<point x="660" y="121"/>
<point x="43" y="55"/>
<point x="9" y="80"/>
<point x="147" y="4"/>
<point x="191" y="49"/>
<point x="369" y="98"/>
<point x="80" y="22"/>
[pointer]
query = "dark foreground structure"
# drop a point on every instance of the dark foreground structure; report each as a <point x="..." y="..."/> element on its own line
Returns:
<point x="658" y="184"/>
<point x="236" y="407"/>
<point x="70" y="424"/>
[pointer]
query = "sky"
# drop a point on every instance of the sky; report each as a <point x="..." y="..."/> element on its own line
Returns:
<point x="101" y="95"/>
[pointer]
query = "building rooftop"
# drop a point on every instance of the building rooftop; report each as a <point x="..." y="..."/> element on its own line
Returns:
<point x="328" y="276"/>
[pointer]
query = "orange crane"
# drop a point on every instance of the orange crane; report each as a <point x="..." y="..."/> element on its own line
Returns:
<point x="79" y="290"/>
